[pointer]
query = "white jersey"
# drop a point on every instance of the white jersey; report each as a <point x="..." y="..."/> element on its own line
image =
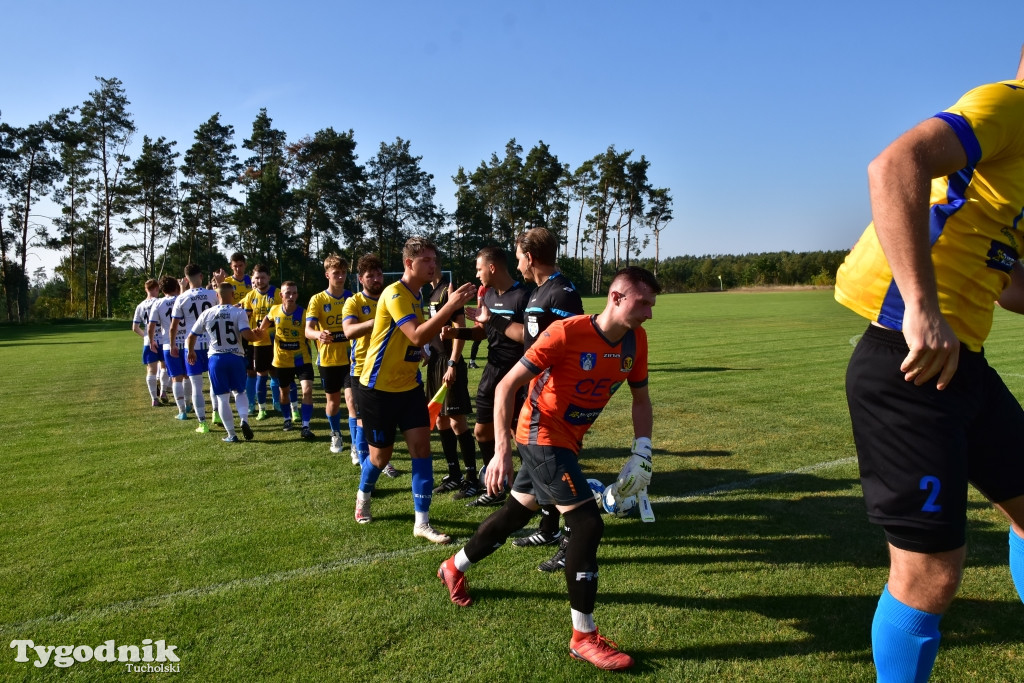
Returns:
<point x="223" y="325"/>
<point x="189" y="306"/>
<point x="142" y="319"/>
<point x="160" y="314"/>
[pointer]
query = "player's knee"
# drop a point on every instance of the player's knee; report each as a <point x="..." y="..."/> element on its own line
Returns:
<point x="586" y="523"/>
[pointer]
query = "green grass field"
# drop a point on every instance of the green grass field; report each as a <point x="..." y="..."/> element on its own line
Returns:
<point x="118" y="522"/>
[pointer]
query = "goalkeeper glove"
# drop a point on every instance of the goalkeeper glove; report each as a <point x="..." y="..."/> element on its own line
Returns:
<point x="636" y="473"/>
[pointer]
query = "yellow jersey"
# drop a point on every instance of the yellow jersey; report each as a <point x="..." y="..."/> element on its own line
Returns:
<point x="291" y="348"/>
<point x="974" y="225"/>
<point x="325" y="309"/>
<point x="257" y="305"/>
<point x="359" y="307"/>
<point x="392" y="361"/>
<point x="242" y="286"/>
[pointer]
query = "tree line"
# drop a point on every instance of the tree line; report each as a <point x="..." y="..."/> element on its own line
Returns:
<point x="287" y="203"/>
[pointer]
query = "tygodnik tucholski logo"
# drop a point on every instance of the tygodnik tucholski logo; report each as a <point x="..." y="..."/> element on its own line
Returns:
<point x="155" y="656"/>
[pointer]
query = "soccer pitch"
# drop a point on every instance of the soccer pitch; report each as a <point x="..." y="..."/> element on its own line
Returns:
<point x="119" y="523"/>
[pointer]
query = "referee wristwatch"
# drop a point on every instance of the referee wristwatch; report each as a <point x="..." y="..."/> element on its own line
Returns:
<point x="451" y="363"/>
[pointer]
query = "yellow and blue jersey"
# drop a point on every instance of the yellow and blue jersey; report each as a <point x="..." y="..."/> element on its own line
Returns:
<point x="242" y="287"/>
<point x="257" y="305"/>
<point x="392" y="361"/>
<point x="291" y="349"/>
<point x="326" y="310"/>
<point x="974" y="227"/>
<point x="359" y="307"/>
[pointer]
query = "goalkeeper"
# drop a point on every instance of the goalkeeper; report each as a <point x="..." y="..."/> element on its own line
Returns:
<point x="575" y="367"/>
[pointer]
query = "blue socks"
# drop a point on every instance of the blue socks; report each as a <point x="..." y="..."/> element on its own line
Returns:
<point x="352" y="429"/>
<point x="904" y="640"/>
<point x="261" y="389"/>
<point x="250" y="390"/>
<point x="286" y="411"/>
<point x="293" y="393"/>
<point x="368" y="478"/>
<point x="362" y="445"/>
<point x="307" y="413"/>
<point x="275" y="393"/>
<point x="335" y="422"/>
<point x="1017" y="562"/>
<point x="422" y="483"/>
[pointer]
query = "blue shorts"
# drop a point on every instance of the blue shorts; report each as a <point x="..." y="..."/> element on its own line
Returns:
<point x="175" y="366"/>
<point x="202" y="364"/>
<point x="151" y="356"/>
<point x="227" y="372"/>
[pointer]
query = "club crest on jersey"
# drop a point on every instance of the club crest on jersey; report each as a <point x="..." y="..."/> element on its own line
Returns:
<point x="532" y="326"/>
<point x="587" y="361"/>
<point x="627" y="363"/>
<point x="327" y="308"/>
<point x="366" y="310"/>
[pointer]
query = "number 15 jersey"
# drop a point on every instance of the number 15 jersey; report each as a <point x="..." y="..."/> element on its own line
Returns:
<point x="223" y="326"/>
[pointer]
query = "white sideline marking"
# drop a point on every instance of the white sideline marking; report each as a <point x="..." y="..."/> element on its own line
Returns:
<point x="156" y="601"/>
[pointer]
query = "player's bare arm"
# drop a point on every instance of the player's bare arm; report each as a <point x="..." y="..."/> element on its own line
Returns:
<point x="190" y="346"/>
<point x="354" y="330"/>
<point x="1012" y="298"/>
<point x="314" y="332"/>
<point x="643" y="412"/>
<point x="421" y="333"/>
<point x="500" y="467"/>
<point x="899" y="180"/>
<point x="151" y="336"/>
<point x="251" y="335"/>
<point x="172" y="335"/>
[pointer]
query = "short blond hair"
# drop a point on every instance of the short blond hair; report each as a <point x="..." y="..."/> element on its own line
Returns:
<point x="334" y="261"/>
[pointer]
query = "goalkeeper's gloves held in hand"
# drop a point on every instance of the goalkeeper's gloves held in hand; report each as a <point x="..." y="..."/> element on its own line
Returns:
<point x="636" y="473"/>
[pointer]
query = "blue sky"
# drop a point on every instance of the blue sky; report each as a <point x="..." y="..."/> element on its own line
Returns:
<point x="760" y="117"/>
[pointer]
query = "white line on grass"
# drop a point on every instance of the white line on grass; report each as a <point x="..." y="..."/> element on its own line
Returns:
<point x="156" y="601"/>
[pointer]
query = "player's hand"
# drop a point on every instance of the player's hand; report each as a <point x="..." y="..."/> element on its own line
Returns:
<point x="462" y="295"/>
<point x="934" y="348"/>
<point x="174" y="351"/>
<point x="482" y="315"/>
<point x="153" y="346"/>
<point x="636" y="473"/>
<point x="449" y="377"/>
<point x="325" y="337"/>
<point x="191" y="358"/>
<point x="499" y="470"/>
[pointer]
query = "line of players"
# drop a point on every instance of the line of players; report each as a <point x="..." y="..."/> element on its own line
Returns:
<point x="370" y="346"/>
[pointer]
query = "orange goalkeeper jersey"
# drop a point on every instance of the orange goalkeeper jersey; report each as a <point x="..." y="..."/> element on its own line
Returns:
<point x="578" y="371"/>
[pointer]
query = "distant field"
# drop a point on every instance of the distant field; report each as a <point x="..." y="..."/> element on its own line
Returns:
<point x="119" y="523"/>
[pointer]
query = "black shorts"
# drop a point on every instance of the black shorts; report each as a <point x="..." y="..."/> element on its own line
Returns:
<point x="335" y="378"/>
<point x="385" y="411"/>
<point x="357" y="395"/>
<point x="262" y="358"/>
<point x="489" y="380"/>
<point x="552" y="475"/>
<point x="918" y="447"/>
<point x="457" y="401"/>
<point x="285" y="376"/>
<point x="250" y="355"/>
